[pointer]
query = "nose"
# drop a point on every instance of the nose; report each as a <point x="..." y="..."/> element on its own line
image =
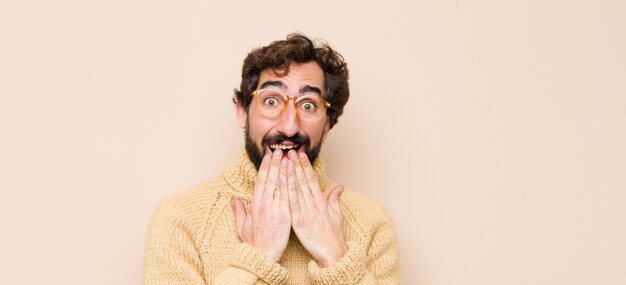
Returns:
<point x="288" y="124"/>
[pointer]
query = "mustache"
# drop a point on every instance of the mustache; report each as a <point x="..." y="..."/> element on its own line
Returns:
<point x="278" y="139"/>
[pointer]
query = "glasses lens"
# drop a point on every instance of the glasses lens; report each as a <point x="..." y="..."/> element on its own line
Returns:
<point x="270" y="101"/>
<point x="310" y="107"/>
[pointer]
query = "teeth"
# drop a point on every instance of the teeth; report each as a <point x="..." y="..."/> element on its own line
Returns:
<point x="283" y="147"/>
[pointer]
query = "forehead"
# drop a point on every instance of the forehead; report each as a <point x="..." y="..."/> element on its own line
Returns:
<point x="300" y="75"/>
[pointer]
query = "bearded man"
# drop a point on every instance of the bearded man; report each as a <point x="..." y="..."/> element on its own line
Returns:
<point x="273" y="217"/>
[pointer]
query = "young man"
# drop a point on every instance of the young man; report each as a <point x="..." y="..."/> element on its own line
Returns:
<point x="273" y="217"/>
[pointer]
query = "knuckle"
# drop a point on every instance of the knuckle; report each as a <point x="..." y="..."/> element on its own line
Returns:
<point x="260" y="211"/>
<point x="299" y="221"/>
<point x="264" y="165"/>
<point x="282" y="219"/>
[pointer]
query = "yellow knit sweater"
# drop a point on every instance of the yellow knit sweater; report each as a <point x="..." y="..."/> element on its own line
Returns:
<point x="192" y="239"/>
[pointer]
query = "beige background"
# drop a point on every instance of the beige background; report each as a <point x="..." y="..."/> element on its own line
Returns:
<point x="493" y="132"/>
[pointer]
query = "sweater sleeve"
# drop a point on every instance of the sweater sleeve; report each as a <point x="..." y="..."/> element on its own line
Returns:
<point x="373" y="261"/>
<point x="171" y="256"/>
<point x="248" y="265"/>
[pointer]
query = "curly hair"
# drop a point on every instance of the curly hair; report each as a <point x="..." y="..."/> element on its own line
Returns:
<point x="297" y="48"/>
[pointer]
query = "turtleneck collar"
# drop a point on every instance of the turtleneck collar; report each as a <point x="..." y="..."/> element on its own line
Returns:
<point x="242" y="174"/>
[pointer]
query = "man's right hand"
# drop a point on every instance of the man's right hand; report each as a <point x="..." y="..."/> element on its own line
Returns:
<point x="266" y="224"/>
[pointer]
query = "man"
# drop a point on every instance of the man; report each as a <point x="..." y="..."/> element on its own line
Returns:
<point x="273" y="217"/>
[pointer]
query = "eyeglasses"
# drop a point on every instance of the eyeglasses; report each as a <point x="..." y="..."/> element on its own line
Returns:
<point x="272" y="102"/>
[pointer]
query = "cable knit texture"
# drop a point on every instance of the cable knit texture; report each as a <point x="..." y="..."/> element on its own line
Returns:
<point x="192" y="239"/>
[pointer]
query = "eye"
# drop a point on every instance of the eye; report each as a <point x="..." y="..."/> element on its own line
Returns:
<point x="270" y="101"/>
<point x="308" y="106"/>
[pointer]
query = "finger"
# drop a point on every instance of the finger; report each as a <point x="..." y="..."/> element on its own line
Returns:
<point x="259" y="184"/>
<point x="283" y="184"/>
<point x="294" y="199"/>
<point x="301" y="179"/>
<point x="271" y="184"/>
<point x="310" y="174"/>
<point x="334" y="196"/>
<point x="240" y="213"/>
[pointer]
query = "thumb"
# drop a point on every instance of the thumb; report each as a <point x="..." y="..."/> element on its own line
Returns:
<point x="335" y="194"/>
<point x="240" y="213"/>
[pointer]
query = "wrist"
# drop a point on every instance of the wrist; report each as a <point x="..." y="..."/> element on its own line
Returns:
<point x="333" y="256"/>
<point x="274" y="255"/>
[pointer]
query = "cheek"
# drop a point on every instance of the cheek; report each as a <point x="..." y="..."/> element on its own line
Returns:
<point x="259" y="128"/>
<point x="314" y="133"/>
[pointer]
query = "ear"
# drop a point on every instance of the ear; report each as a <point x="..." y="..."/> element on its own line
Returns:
<point x="242" y="115"/>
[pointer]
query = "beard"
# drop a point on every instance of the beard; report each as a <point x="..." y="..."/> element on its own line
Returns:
<point x="255" y="153"/>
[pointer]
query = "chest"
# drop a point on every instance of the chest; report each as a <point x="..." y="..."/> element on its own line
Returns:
<point x="220" y="247"/>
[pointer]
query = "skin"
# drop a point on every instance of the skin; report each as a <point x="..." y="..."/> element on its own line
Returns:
<point x="287" y="194"/>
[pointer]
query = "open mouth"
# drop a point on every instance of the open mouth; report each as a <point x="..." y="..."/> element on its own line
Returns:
<point x="284" y="148"/>
<point x="298" y="143"/>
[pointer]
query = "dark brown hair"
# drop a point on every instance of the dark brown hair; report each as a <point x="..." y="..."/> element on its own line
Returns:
<point x="297" y="48"/>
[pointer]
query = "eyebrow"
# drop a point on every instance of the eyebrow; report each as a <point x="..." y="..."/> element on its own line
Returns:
<point x="281" y="85"/>
<point x="310" y="89"/>
<point x="274" y="83"/>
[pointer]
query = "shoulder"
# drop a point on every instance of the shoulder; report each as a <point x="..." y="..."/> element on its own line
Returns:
<point x="363" y="210"/>
<point x="195" y="198"/>
<point x="191" y="207"/>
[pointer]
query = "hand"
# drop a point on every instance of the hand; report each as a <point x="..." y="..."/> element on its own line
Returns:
<point x="316" y="221"/>
<point x="267" y="223"/>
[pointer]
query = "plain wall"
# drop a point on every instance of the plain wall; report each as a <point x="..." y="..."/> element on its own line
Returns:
<point x="494" y="132"/>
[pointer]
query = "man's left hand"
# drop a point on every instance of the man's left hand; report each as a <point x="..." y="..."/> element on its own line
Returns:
<point x="316" y="220"/>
